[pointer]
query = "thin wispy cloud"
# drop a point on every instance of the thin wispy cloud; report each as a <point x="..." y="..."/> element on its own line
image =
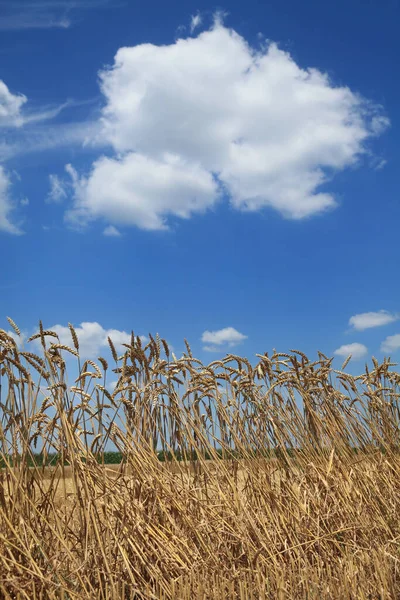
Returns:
<point x="16" y="111"/>
<point x="28" y="129"/>
<point x="57" y="191"/>
<point x="24" y="130"/>
<point x="46" y="113"/>
<point x="17" y="22"/>
<point x="111" y="231"/>
<point x="195" y="22"/>
<point x="45" y="137"/>
<point x="51" y="14"/>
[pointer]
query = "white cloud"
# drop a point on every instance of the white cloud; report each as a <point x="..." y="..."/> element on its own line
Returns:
<point x="46" y="113"/>
<point x="111" y="231"/>
<point x="356" y="350"/>
<point x="44" y="14"/>
<point x="195" y="22"/>
<point x="10" y="107"/>
<point x="18" y="339"/>
<point x="111" y="385"/>
<point x="27" y="130"/>
<point x="213" y="107"/>
<point x="372" y="319"/>
<point x="15" y="22"/>
<point x="211" y="348"/>
<point x="6" y="205"/>
<point x="34" y="137"/>
<point x="228" y="335"/>
<point x="391" y="343"/>
<point x="142" y="191"/>
<point x="57" y="191"/>
<point x="93" y="338"/>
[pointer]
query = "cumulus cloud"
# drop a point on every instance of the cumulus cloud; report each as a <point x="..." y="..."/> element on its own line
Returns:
<point x="391" y="343"/>
<point x="356" y="350"/>
<point x="7" y="205"/>
<point x="111" y="231"/>
<point x="93" y="338"/>
<point x="139" y="190"/>
<point x="211" y="112"/>
<point x="227" y="336"/>
<point x="372" y="319"/>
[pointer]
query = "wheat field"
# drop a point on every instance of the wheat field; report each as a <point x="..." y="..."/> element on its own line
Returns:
<point x="268" y="480"/>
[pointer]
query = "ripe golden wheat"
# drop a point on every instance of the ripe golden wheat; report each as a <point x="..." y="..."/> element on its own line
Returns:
<point x="280" y="480"/>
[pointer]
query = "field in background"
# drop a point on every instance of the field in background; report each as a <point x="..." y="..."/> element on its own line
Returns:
<point x="294" y="491"/>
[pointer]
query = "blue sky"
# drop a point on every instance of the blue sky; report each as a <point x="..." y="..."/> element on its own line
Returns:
<point x="225" y="173"/>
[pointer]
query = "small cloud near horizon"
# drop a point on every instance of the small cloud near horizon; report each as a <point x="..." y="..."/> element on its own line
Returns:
<point x="226" y="336"/>
<point x="391" y="343"/>
<point x="356" y="350"/>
